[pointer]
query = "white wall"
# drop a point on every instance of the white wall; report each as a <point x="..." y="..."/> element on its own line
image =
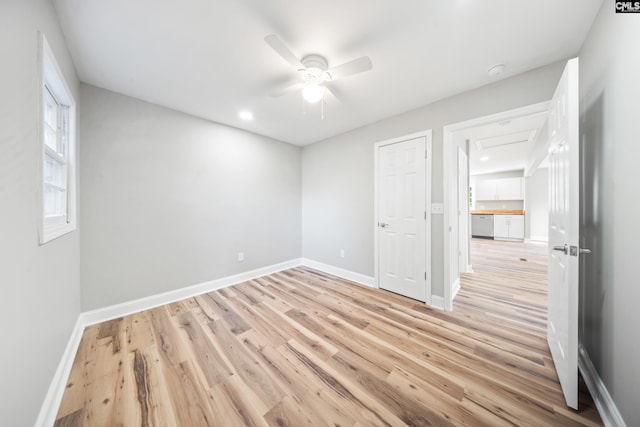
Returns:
<point x="610" y="290"/>
<point x="537" y="205"/>
<point x="40" y="285"/>
<point x="168" y="200"/>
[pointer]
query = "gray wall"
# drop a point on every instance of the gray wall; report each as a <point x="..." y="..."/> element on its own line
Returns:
<point x="610" y="291"/>
<point x="537" y="205"/>
<point x="338" y="183"/>
<point x="168" y="200"/>
<point x="40" y="284"/>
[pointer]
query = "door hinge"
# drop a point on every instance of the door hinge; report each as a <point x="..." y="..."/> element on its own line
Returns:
<point x="425" y="154"/>
<point x="425" y="275"/>
<point x="425" y="214"/>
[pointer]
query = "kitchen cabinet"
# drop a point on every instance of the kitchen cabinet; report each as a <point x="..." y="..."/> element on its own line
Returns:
<point x="486" y="189"/>
<point x="510" y="189"/>
<point x="508" y="227"/>
<point x="500" y="189"/>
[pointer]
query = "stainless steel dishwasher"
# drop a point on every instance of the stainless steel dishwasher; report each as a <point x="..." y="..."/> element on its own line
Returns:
<point x="482" y="226"/>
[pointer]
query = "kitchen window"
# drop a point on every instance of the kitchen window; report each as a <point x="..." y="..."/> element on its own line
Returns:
<point x="57" y="150"/>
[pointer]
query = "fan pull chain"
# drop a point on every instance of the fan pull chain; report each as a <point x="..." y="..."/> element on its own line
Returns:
<point x="322" y="108"/>
<point x="304" y="106"/>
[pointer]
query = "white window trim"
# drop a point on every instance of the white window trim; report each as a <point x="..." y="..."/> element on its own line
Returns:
<point x="51" y="75"/>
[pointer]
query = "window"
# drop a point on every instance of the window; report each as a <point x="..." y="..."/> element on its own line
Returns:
<point x="57" y="150"/>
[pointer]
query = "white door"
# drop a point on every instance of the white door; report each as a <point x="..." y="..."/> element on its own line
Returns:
<point x="402" y="218"/>
<point x="463" y="211"/>
<point x="562" y="327"/>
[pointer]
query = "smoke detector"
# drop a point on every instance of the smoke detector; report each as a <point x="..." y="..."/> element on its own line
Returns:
<point x="496" y="70"/>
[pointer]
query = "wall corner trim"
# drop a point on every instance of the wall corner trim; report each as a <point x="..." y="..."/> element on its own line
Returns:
<point x="607" y="408"/>
<point x="340" y="272"/>
<point x="53" y="398"/>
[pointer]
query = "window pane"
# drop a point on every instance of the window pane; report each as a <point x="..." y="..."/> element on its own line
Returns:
<point x="63" y="130"/>
<point x="50" y="137"/>
<point x="55" y="201"/>
<point x="53" y="172"/>
<point x="50" y="110"/>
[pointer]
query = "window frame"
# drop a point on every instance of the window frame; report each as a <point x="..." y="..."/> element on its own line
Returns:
<point x="52" y="83"/>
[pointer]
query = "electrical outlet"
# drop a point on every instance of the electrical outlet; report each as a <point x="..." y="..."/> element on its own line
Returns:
<point x="240" y="256"/>
<point x="341" y="253"/>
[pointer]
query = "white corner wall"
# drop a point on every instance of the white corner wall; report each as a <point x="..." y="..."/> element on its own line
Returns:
<point x="169" y="200"/>
<point x="40" y="285"/>
<point x="337" y="177"/>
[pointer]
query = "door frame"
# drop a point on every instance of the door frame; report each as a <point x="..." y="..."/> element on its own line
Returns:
<point x="450" y="187"/>
<point x="427" y="134"/>
<point x="465" y="267"/>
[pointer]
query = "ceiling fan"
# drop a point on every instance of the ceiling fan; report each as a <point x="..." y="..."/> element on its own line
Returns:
<point x="314" y="73"/>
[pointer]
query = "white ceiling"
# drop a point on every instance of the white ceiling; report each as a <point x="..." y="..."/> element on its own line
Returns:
<point x="494" y="148"/>
<point x="208" y="57"/>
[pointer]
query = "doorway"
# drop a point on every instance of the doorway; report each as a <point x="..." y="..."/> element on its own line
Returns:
<point x="563" y="214"/>
<point x="516" y="127"/>
<point x="402" y="225"/>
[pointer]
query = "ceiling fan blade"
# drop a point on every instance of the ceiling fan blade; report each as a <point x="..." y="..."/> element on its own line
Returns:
<point x="282" y="50"/>
<point x="350" y="68"/>
<point x="290" y="86"/>
<point x="330" y="96"/>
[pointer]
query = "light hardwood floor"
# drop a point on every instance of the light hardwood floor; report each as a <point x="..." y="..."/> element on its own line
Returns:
<point x="303" y="348"/>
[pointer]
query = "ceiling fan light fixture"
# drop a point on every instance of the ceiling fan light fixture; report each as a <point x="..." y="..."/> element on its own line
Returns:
<point x="313" y="92"/>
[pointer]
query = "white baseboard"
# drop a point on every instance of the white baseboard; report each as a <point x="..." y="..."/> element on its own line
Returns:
<point x="609" y="413"/>
<point x="53" y="398"/>
<point x="437" y="302"/>
<point x="340" y="272"/>
<point x="123" y="309"/>
<point x="433" y="301"/>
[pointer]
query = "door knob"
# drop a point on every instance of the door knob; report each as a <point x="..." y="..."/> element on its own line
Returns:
<point x="564" y="248"/>
<point x="575" y="251"/>
<point x="383" y="224"/>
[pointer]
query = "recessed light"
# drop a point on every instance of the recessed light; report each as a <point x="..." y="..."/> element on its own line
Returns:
<point x="246" y="115"/>
<point x="496" y="70"/>
<point x="484" y="159"/>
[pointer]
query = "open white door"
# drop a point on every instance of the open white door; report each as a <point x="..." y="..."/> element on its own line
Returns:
<point x="564" y="199"/>
<point x="402" y="218"/>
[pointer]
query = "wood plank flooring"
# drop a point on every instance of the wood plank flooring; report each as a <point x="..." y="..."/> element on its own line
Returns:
<point x="303" y="348"/>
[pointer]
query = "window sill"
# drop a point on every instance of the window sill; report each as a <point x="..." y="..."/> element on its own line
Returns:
<point x="52" y="233"/>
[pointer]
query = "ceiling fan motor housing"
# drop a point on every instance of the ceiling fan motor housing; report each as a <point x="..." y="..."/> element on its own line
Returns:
<point x="315" y="68"/>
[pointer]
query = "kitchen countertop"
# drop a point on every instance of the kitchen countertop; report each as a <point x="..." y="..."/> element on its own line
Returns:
<point x="496" y="212"/>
